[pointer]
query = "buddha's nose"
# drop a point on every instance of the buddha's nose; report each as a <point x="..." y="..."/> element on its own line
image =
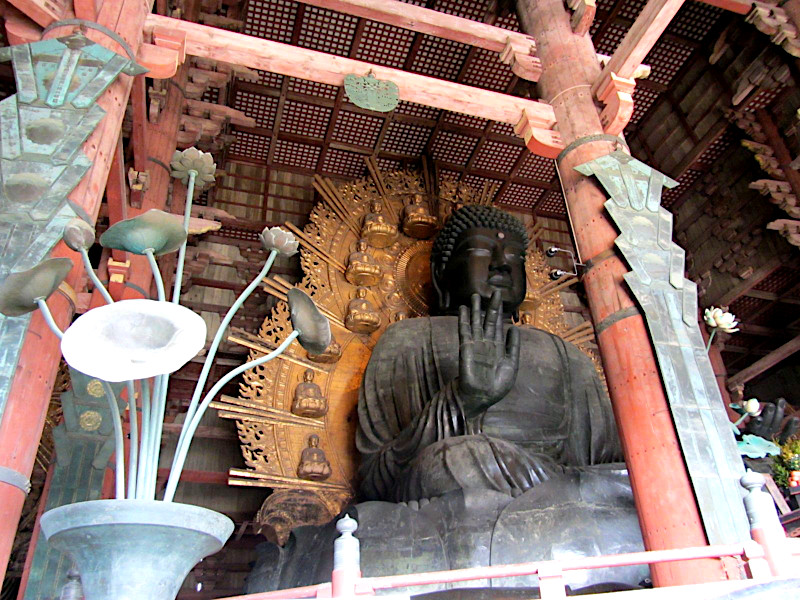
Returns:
<point x="499" y="260"/>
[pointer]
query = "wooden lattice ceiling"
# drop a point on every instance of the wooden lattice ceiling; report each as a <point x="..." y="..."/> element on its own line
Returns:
<point x="309" y="128"/>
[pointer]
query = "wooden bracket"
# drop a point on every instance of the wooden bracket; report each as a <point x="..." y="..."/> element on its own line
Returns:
<point x="117" y="274"/>
<point x="617" y="95"/>
<point x="138" y="181"/>
<point x="521" y="60"/>
<point x="539" y="137"/>
<point x="583" y="12"/>
<point x="172" y="39"/>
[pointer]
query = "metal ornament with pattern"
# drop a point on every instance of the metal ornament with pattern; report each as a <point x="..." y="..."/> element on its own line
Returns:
<point x="669" y="302"/>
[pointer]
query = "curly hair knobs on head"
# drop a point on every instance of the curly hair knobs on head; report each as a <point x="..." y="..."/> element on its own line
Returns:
<point x="470" y="217"/>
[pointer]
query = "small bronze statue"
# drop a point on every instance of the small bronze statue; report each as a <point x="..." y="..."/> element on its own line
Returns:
<point x="308" y="399"/>
<point x="361" y="267"/>
<point x="361" y="316"/>
<point x="376" y="229"/>
<point x="418" y="221"/>
<point x="331" y="354"/>
<point x="314" y="465"/>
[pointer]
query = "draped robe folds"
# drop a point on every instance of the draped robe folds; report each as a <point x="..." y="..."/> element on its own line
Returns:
<point x="415" y="441"/>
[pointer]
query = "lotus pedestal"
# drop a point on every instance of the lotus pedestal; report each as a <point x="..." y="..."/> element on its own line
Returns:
<point x="135" y="549"/>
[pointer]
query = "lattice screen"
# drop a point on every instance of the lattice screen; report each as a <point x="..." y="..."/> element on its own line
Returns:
<point x="522" y="196"/>
<point x="439" y="58"/>
<point x="453" y="147"/>
<point x="341" y="162"/>
<point x="358" y="129"/>
<point x="327" y="31"/>
<point x="497" y="156"/>
<point x="537" y="167"/>
<point x="685" y="182"/>
<point x="385" y="45"/>
<point x="262" y="108"/>
<point x="294" y="154"/>
<point x="301" y="118"/>
<point x="780" y="281"/>
<point x="404" y="138"/>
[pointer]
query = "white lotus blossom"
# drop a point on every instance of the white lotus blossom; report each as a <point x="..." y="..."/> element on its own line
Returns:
<point x="276" y="238"/>
<point x="133" y="339"/>
<point x="752" y="407"/>
<point x="720" y="319"/>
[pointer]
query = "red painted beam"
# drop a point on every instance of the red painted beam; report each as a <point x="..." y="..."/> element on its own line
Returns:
<point x="23" y="419"/>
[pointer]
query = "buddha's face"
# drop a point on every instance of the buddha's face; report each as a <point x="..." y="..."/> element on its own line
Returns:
<point x="376" y="208"/>
<point x="361" y="246"/>
<point x="483" y="261"/>
<point x="308" y="376"/>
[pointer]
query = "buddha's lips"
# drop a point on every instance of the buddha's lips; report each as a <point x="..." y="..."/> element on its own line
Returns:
<point x="499" y="281"/>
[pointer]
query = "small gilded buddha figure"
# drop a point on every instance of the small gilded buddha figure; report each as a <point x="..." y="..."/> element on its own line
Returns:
<point x="308" y="399"/>
<point x="314" y="465"/>
<point x="418" y="221"/>
<point x="376" y="229"/>
<point x="361" y="316"/>
<point x="361" y="267"/>
<point x="526" y="320"/>
<point x="331" y="354"/>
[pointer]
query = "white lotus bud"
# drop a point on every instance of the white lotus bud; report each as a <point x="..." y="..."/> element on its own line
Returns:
<point x="280" y="240"/>
<point x="717" y="318"/>
<point x="752" y="407"/>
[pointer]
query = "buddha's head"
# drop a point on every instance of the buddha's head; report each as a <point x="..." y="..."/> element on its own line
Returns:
<point x="361" y="245"/>
<point x="313" y="441"/>
<point x="376" y="207"/>
<point x="361" y="293"/>
<point x="480" y="250"/>
<point x="308" y="376"/>
<point x="416" y="199"/>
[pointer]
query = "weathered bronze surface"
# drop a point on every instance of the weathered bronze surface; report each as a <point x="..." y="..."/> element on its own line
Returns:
<point x="468" y="458"/>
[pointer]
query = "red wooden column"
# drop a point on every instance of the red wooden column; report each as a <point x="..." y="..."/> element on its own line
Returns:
<point x="665" y="502"/>
<point x="23" y="419"/>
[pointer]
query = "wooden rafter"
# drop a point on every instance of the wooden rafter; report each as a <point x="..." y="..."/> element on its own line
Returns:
<point x="293" y="61"/>
<point x="640" y="38"/>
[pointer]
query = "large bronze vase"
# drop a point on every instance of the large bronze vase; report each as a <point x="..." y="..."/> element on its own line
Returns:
<point x="135" y="549"/>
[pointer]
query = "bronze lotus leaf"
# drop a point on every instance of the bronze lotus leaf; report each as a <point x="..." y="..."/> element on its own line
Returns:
<point x="19" y="292"/>
<point x="78" y="234"/>
<point x="280" y="240"/>
<point x="155" y="229"/>
<point x="313" y="326"/>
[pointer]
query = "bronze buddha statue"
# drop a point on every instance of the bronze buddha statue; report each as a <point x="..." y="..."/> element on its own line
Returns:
<point x="482" y="442"/>
<point x="308" y="399"/>
<point x="417" y="220"/>
<point x="361" y="317"/>
<point x="331" y="354"/>
<point x="314" y="465"/>
<point x="361" y="267"/>
<point x="376" y="229"/>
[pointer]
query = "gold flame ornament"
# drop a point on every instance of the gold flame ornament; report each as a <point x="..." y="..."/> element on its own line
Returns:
<point x="133" y="339"/>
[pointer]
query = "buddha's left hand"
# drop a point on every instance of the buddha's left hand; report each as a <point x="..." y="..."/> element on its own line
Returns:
<point x="487" y="364"/>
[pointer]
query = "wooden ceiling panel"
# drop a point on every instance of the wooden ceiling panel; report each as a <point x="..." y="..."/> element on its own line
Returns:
<point x="439" y="58"/>
<point x="313" y="88"/>
<point x="341" y="162"/>
<point x="497" y="156"/>
<point x="537" y="167"/>
<point x="694" y="20"/>
<point x="300" y="118"/>
<point x="405" y="138"/>
<point x="295" y="154"/>
<point x="251" y="145"/>
<point x="358" y="128"/>
<point x="384" y="45"/>
<point x="522" y="196"/>
<point x="271" y="19"/>
<point x="453" y="148"/>
<point x="552" y="203"/>
<point x="261" y="108"/>
<point x="780" y="281"/>
<point x="417" y="110"/>
<point x="327" y="31"/>
<point x="486" y="71"/>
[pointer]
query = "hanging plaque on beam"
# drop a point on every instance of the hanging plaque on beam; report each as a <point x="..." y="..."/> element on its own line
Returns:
<point x="371" y="93"/>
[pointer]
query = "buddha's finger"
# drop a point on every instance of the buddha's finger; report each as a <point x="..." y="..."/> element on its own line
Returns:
<point x="490" y="322"/>
<point x="464" y="332"/>
<point x="477" y="330"/>
<point x="512" y="346"/>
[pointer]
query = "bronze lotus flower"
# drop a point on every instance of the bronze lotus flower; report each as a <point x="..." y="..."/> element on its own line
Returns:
<point x="310" y="323"/>
<point x="276" y="238"/>
<point x="155" y="229"/>
<point x="20" y="291"/>
<point x="193" y="159"/>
